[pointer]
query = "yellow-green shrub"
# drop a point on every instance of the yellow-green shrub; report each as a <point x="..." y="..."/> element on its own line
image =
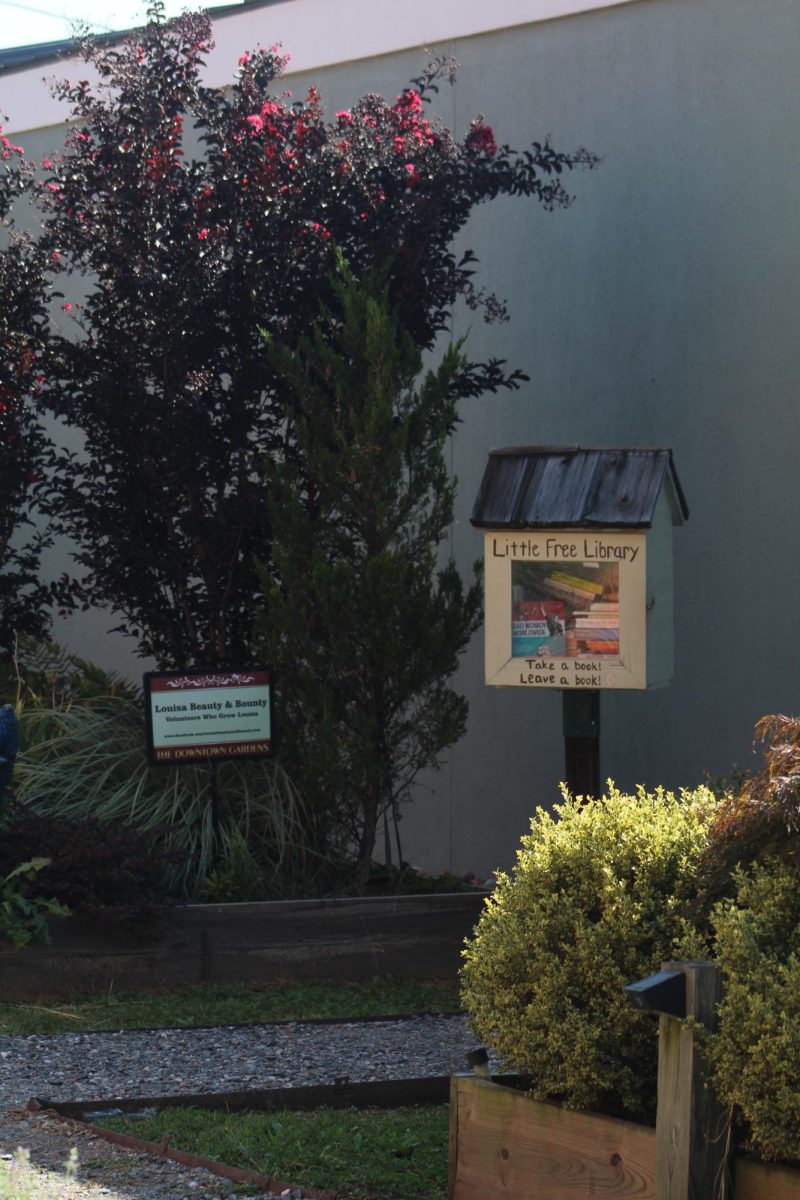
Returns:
<point x="597" y="899"/>
<point x="755" y="1056"/>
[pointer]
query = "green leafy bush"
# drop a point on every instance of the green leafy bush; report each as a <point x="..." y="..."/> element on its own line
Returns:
<point x="748" y="903"/>
<point x="23" y="917"/>
<point x="755" y="1055"/>
<point x="598" y="898"/>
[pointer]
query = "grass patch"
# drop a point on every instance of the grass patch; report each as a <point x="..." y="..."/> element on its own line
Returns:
<point x="229" y="1004"/>
<point x="20" y="1181"/>
<point x="369" y="1154"/>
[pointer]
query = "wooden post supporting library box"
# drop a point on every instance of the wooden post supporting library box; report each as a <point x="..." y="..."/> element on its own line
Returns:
<point x="578" y="578"/>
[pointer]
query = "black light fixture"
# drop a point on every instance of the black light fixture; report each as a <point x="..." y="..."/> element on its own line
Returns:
<point x="664" y="992"/>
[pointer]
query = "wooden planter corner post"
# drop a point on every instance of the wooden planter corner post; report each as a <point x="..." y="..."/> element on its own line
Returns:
<point x="691" y="1141"/>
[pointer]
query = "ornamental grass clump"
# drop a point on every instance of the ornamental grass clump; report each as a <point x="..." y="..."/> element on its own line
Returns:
<point x="84" y="760"/>
<point x="599" y="897"/>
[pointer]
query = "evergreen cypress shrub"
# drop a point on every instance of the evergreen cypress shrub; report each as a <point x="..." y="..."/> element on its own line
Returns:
<point x="599" y="896"/>
<point x="364" y="616"/>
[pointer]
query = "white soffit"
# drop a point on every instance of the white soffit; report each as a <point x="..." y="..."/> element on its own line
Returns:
<point x="319" y="33"/>
<point x="316" y="33"/>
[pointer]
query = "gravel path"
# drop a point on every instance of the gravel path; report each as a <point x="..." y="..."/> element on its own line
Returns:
<point x="100" y="1066"/>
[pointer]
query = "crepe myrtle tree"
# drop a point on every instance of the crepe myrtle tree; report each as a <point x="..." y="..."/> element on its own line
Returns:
<point x="184" y="219"/>
<point x="24" y="600"/>
<point x="362" y="621"/>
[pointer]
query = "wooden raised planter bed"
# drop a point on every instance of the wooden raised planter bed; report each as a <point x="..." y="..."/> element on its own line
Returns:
<point x="503" y="1143"/>
<point x="285" y="940"/>
<point x="765" y="1181"/>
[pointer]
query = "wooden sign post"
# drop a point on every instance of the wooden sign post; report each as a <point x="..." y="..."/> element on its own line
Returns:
<point x="581" y="714"/>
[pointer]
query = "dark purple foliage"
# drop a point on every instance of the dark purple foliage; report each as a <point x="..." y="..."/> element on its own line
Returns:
<point x="98" y="869"/>
<point x="184" y="219"/>
<point x="23" y="600"/>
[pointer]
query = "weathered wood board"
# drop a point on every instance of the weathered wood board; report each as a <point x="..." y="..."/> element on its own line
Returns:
<point x="765" y="1181"/>
<point x="691" y="1148"/>
<point x="504" y="1144"/>
<point x="414" y="936"/>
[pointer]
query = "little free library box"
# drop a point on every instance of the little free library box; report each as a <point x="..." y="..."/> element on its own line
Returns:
<point x="578" y="566"/>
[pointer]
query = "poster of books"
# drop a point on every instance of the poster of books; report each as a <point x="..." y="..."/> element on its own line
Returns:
<point x="565" y="611"/>
<point x="566" y="608"/>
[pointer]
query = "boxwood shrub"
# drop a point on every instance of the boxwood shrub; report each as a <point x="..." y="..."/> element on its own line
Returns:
<point x="599" y="896"/>
<point x="602" y="893"/>
<point x="755" y="1056"/>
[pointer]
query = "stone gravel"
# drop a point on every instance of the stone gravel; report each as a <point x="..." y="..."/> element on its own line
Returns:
<point x="104" y="1066"/>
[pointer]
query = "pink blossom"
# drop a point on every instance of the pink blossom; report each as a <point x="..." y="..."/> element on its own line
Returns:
<point x="66" y="307"/>
<point x="345" y="117"/>
<point x="255" y="122"/>
<point x="480" y="139"/>
<point x="8" y="146"/>
<point x="413" y="173"/>
<point x="203" y="234"/>
<point x="410" y="101"/>
<point x="244" y="59"/>
<point x="55" y="257"/>
<point x="46" y="162"/>
<point x="54" y="187"/>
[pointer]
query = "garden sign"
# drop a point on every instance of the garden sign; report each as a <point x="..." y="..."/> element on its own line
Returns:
<point x="205" y="716"/>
